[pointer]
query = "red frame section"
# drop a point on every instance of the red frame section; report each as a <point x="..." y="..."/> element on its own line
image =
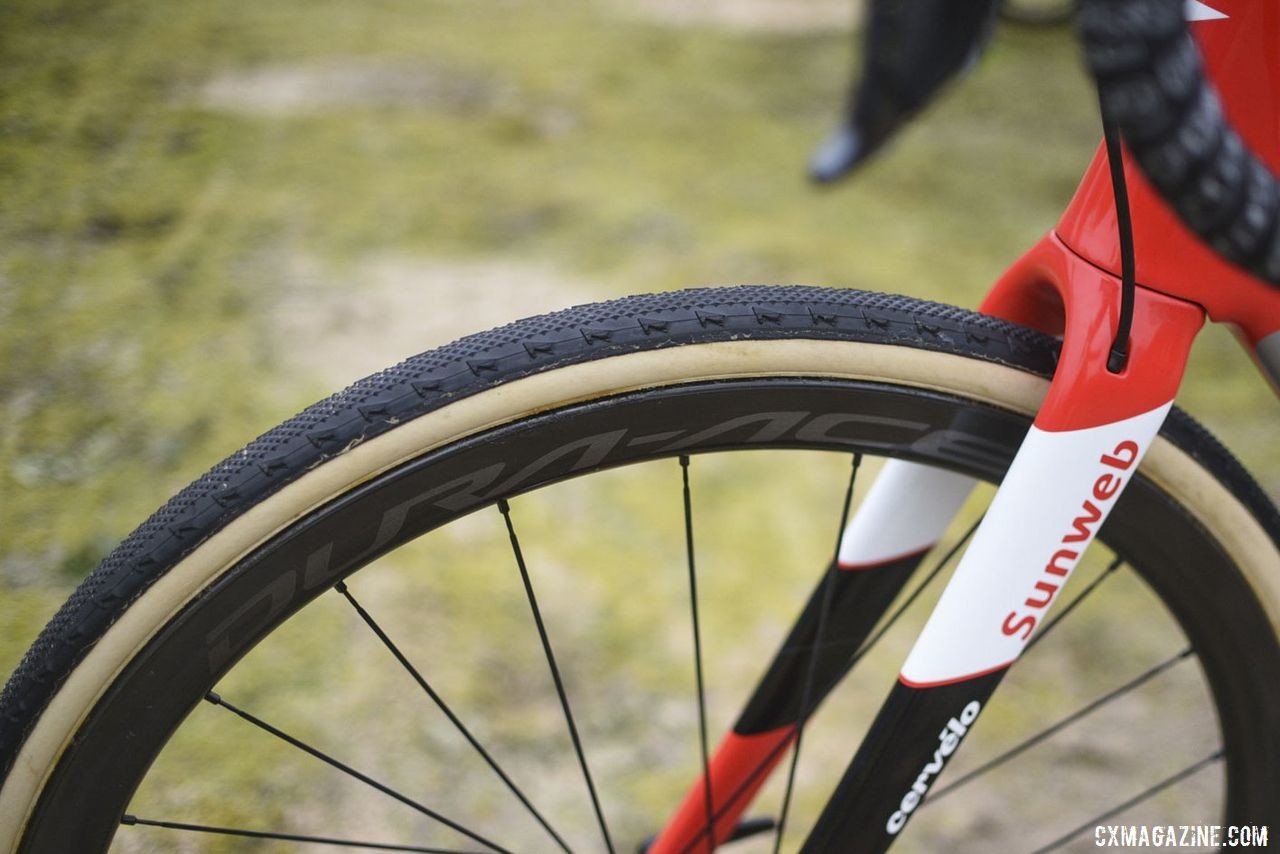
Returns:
<point x="1242" y="55"/>
<point x="1068" y="285"/>
<point x="1053" y="289"/>
<point x="740" y="766"/>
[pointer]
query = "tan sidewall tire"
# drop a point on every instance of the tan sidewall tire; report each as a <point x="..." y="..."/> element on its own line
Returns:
<point x="1207" y="500"/>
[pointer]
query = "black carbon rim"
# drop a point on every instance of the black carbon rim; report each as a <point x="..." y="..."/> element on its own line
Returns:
<point x="1199" y="585"/>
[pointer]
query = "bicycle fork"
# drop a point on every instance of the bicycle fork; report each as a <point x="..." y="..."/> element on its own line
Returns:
<point x="1082" y="451"/>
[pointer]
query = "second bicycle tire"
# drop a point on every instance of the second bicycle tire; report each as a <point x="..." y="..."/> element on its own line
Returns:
<point x="502" y="413"/>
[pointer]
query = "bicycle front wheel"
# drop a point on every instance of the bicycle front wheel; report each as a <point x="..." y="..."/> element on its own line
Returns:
<point x="450" y="607"/>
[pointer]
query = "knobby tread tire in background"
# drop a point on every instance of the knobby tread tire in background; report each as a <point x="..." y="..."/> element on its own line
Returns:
<point x="435" y="379"/>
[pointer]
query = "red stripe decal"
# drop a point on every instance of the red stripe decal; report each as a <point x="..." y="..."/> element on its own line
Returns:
<point x="938" y="684"/>
<point x="856" y="566"/>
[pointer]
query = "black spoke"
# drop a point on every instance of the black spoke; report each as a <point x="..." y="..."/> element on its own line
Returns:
<point x="915" y="594"/>
<point x="505" y="509"/>
<point x="710" y="831"/>
<point x="1071" y="606"/>
<point x="131" y="821"/>
<point x="373" y="625"/>
<point x="347" y="769"/>
<point x="1045" y="733"/>
<point x="768" y="758"/>
<point x="1132" y="802"/>
<point x="806" y="694"/>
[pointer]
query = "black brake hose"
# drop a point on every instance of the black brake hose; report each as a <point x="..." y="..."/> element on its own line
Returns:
<point x="1119" y="355"/>
<point x="1152" y="85"/>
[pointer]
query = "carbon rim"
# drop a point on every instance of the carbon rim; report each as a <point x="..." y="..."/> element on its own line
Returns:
<point x="958" y="435"/>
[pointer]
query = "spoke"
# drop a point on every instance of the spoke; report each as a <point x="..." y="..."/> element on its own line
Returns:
<point x="131" y="821"/>
<point x="933" y="573"/>
<point x="505" y="509"/>
<point x="347" y="769"/>
<point x="1071" y="606"/>
<point x="828" y="586"/>
<point x="1132" y="802"/>
<point x="1109" y="697"/>
<point x="373" y="625"/>
<point x="768" y="758"/>
<point x="710" y="831"/>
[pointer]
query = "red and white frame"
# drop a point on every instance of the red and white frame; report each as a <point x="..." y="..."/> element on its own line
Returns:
<point x="1085" y="445"/>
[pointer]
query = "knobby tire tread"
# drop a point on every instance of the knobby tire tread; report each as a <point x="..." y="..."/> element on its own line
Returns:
<point x="434" y="379"/>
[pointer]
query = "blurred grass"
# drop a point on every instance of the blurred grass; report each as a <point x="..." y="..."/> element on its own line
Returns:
<point x="172" y="174"/>
<point x="165" y="168"/>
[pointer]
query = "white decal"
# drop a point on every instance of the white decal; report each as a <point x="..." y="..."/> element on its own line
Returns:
<point x="948" y="741"/>
<point x="1194" y="10"/>
<point x="1055" y="497"/>
<point x="905" y="511"/>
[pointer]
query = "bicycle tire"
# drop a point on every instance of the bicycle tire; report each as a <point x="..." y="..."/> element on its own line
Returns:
<point x="1037" y="14"/>
<point x="1195" y="519"/>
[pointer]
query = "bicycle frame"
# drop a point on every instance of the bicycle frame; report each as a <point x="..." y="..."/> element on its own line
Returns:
<point x="1083" y="449"/>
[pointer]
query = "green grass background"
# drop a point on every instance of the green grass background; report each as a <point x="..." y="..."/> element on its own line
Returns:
<point x="211" y="212"/>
